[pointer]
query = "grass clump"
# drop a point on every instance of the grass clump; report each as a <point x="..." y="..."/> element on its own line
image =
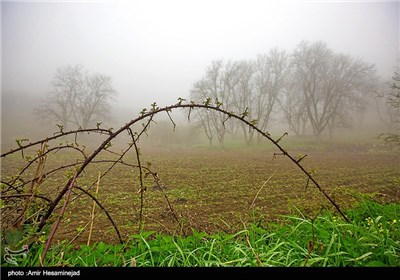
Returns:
<point x="372" y="239"/>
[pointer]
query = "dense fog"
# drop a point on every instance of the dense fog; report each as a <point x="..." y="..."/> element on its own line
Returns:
<point x="315" y="69"/>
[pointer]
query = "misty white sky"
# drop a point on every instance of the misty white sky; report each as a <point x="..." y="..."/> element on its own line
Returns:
<point x="155" y="50"/>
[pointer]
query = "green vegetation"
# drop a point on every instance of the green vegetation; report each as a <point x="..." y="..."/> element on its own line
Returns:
<point x="198" y="207"/>
<point x="373" y="239"/>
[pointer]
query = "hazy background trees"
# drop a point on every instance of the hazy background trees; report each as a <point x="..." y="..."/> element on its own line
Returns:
<point x="311" y="91"/>
<point x="271" y="76"/>
<point x="391" y="100"/>
<point x="218" y="84"/>
<point x="77" y="98"/>
<point x="249" y="87"/>
<point x="332" y="85"/>
<point x="312" y="87"/>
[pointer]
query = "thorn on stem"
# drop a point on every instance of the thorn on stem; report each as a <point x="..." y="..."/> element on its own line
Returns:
<point x="280" y="138"/>
<point x="300" y="158"/>
<point x="308" y="182"/>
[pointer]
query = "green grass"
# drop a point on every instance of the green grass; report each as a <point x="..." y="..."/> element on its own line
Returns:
<point x="373" y="239"/>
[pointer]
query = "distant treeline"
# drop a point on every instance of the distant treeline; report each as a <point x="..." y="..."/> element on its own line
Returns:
<point x="312" y="87"/>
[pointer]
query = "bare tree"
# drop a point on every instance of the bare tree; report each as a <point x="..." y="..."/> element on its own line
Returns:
<point x="202" y="118"/>
<point x="258" y="85"/>
<point x="387" y="113"/>
<point x="293" y="106"/>
<point x="394" y="96"/>
<point x="332" y="84"/>
<point x="313" y="86"/>
<point x="244" y="96"/>
<point x="77" y="98"/>
<point x="392" y="99"/>
<point x="270" y="79"/>
<point x="217" y="87"/>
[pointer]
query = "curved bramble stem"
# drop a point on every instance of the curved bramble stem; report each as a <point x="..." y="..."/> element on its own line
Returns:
<point x="59" y="135"/>
<point x="193" y="106"/>
<point x="55" y="226"/>
<point x="147" y="116"/>
<point x="105" y="211"/>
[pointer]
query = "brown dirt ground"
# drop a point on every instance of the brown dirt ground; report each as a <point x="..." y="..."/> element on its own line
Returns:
<point x="213" y="190"/>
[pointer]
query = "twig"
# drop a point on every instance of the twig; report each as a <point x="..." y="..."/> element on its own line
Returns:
<point x="56" y="149"/>
<point x="150" y="114"/>
<point x="311" y="244"/>
<point x="254" y="200"/>
<point x="23" y="147"/>
<point x="142" y="189"/>
<point x="259" y="263"/>
<point x="156" y="180"/>
<point x="190" y="111"/>
<point x="25" y="195"/>
<point x="83" y="230"/>
<point x="105" y="211"/>
<point x="35" y="183"/>
<point x="93" y="209"/>
<point x="55" y="226"/>
<point x="280" y="138"/>
<point x="301" y="158"/>
<point x="308" y="181"/>
<point x="171" y="120"/>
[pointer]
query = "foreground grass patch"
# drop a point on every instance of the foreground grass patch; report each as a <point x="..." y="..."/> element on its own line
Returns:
<point x="373" y="239"/>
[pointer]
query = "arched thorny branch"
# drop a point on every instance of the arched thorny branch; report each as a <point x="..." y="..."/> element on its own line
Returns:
<point x="31" y="161"/>
<point x="104" y="209"/>
<point x="21" y="195"/>
<point x="80" y="166"/>
<point x="58" y="135"/>
<point x="57" y="222"/>
<point x="157" y="110"/>
<point x="137" y="153"/>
